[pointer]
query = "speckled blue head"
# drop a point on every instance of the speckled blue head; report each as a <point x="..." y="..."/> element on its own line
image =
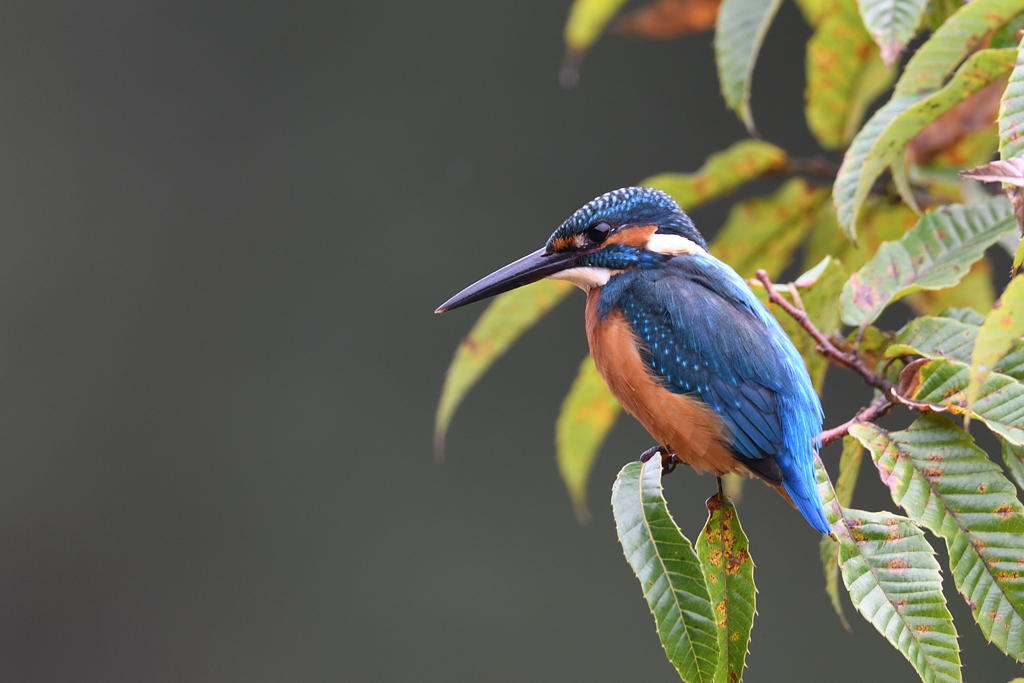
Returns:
<point x="629" y="206"/>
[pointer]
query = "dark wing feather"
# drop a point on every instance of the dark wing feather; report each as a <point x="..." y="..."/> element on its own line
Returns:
<point x="700" y="342"/>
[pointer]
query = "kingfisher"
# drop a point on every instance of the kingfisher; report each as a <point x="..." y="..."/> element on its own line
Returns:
<point x="682" y="343"/>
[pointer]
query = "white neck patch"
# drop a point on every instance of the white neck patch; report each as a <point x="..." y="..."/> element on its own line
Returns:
<point x="672" y="245"/>
<point x="586" y="277"/>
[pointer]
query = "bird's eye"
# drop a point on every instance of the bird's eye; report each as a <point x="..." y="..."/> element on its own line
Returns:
<point x="598" y="232"/>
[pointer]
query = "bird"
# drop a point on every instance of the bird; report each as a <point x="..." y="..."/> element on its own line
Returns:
<point x="682" y="343"/>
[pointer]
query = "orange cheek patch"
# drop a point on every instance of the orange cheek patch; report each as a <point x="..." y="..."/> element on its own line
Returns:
<point x="633" y="237"/>
<point x="563" y="243"/>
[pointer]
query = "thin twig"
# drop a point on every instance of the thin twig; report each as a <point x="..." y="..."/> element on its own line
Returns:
<point x="879" y="407"/>
<point x="825" y="347"/>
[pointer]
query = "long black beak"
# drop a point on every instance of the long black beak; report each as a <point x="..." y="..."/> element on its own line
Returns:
<point x="528" y="269"/>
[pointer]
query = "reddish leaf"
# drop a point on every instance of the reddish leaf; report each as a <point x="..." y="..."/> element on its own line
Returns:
<point x="976" y="113"/>
<point x="666" y="19"/>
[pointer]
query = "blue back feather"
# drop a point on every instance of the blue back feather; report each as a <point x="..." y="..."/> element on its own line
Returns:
<point x="704" y="333"/>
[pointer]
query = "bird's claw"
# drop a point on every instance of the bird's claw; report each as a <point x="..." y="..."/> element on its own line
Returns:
<point x="668" y="460"/>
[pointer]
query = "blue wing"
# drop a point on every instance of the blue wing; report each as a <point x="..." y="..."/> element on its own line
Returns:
<point x="704" y="333"/>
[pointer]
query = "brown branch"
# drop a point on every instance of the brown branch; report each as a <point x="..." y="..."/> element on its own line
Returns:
<point x="825" y="346"/>
<point x="882" y="403"/>
<point x="879" y="407"/>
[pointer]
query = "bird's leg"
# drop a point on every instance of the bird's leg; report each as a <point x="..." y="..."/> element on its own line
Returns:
<point x="668" y="460"/>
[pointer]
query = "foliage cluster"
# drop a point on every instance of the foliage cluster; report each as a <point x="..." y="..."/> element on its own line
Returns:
<point x="901" y="218"/>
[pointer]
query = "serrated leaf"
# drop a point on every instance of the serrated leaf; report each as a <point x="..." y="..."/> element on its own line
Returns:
<point x="1011" y="111"/>
<point x="960" y="35"/>
<point x="966" y="132"/>
<point x="844" y="75"/>
<point x="763" y="232"/>
<point x="722" y="173"/>
<point x="815" y="11"/>
<point x="729" y="571"/>
<point x="739" y="33"/>
<point x="1002" y="328"/>
<point x="975" y="289"/>
<point x="892" y="23"/>
<point x="501" y="324"/>
<point x="881" y="221"/>
<point x="952" y="336"/>
<point x="588" y="412"/>
<point x="942" y="385"/>
<point x="1013" y="456"/>
<point x="946" y="483"/>
<point x="886" y="135"/>
<point x="818" y="290"/>
<point x="849" y="468"/>
<point x="668" y="569"/>
<point x="935" y="254"/>
<point x="894" y="582"/>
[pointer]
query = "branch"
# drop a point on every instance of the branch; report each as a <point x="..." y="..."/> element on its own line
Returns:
<point x="882" y="403"/>
<point x="825" y="347"/>
<point x="878" y="408"/>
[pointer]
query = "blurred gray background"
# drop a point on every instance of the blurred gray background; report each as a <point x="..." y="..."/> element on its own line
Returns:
<point x="223" y="230"/>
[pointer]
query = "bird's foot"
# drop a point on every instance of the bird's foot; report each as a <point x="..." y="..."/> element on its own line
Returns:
<point x="668" y="460"/>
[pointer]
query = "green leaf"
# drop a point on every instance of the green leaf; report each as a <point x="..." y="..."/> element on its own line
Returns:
<point x="881" y="221"/>
<point x="886" y="135"/>
<point x="952" y="336"/>
<point x="505" y="319"/>
<point x="849" y="468"/>
<point x="935" y="254"/>
<point x="1002" y="328"/>
<point x="587" y="20"/>
<point x="935" y="337"/>
<point x="946" y="483"/>
<point x="729" y="571"/>
<point x="668" y="569"/>
<point x="975" y="289"/>
<point x="722" y="173"/>
<point x="818" y="291"/>
<point x="816" y="11"/>
<point x="588" y="412"/>
<point x="741" y="28"/>
<point x="941" y="385"/>
<point x="1013" y="456"/>
<point x="959" y="36"/>
<point x="1011" y="113"/>
<point x="844" y="75"/>
<point x="892" y="23"/>
<point x="894" y="582"/>
<point x="763" y="232"/>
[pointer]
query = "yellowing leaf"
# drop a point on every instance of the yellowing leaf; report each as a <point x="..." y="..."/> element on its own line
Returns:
<point x="588" y="412"/>
<point x="935" y="254"/>
<point x="765" y="231"/>
<point x="1003" y="326"/>
<point x="882" y="220"/>
<point x="722" y="173"/>
<point x="844" y="75"/>
<point x="504" y="321"/>
<point x="886" y="135"/>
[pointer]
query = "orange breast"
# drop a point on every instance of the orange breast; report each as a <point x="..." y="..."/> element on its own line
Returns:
<point x="683" y="425"/>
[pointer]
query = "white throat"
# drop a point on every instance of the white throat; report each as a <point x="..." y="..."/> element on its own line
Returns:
<point x="585" y="277"/>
